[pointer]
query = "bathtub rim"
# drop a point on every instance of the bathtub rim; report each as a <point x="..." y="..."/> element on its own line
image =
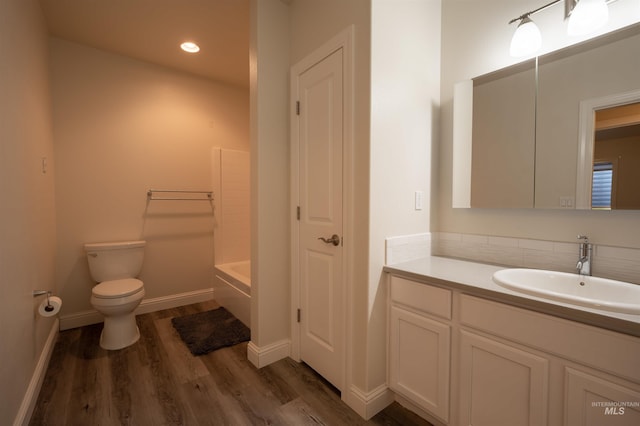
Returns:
<point x="237" y="280"/>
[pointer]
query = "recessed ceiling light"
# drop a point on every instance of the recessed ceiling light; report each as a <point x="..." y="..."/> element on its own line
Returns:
<point x="189" y="46"/>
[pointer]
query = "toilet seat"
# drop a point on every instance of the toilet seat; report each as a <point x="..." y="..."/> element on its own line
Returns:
<point x="117" y="288"/>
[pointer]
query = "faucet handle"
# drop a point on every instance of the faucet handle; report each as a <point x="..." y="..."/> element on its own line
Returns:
<point x="583" y="237"/>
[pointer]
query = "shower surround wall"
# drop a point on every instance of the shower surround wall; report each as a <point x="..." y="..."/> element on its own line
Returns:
<point x="231" y="187"/>
<point x="232" y="233"/>
<point x="121" y="127"/>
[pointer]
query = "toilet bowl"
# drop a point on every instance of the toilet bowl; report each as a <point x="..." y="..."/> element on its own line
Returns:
<point x="117" y="300"/>
<point x="114" y="266"/>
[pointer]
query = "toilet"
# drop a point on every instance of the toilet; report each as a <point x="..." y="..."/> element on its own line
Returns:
<point x="118" y="293"/>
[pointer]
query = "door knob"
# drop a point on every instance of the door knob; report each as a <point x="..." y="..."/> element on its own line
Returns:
<point x="335" y="240"/>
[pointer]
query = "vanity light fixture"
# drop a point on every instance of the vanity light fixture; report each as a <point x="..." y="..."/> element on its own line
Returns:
<point x="584" y="17"/>
<point x="190" y="47"/>
<point x="526" y="40"/>
<point x="587" y="16"/>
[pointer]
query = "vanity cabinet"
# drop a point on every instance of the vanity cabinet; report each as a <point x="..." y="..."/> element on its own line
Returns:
<point x="501" y="384"/>
<point x="508" y="365"/>
<point x="420" y="344"/>
<point x="596" y="399"/>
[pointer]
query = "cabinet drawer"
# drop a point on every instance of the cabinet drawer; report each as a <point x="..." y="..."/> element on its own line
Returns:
<point x="426" y="298"/>
<point x="602" y="349"/>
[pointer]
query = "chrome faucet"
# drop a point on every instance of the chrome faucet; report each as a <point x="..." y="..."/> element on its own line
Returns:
<point x="585" y="250"/>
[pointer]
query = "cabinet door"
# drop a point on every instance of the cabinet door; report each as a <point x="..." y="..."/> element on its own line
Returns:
<point x="501" y="384"/>
<point x="419" y="360"/>
<point x="594" y="401"/>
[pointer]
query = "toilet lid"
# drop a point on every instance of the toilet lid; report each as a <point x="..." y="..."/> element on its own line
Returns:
<point x="117" y="288"/>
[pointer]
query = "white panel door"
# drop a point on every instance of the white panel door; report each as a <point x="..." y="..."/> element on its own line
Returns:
<point x="320" y="90"/>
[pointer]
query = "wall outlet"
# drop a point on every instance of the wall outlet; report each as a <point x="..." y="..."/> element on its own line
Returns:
<point x="567" y="202"/>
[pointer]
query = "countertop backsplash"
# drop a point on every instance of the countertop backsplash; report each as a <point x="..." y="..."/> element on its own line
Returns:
<point x="619" y="263"/>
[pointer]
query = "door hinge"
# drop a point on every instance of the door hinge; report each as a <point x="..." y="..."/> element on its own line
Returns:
<point x="298" y="212"/>
<point x="298" y="315"/>
<point x="297" y="107"/>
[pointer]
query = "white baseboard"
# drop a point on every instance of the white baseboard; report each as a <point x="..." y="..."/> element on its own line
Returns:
<point x="419" y="411"/>
<point x="368" y="404"/>
<point x="80" y="319"/>
<point x="33" y="390"/>
<point x="174" y="300"/>
<point x="261" y="356"/>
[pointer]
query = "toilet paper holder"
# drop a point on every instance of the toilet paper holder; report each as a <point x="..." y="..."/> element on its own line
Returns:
<point x="49" y="306"/>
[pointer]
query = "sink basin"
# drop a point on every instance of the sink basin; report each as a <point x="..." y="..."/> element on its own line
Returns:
<point x="592" y="292"/>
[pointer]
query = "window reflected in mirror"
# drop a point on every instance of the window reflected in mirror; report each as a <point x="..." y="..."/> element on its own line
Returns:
<point x="616" y="158"/>
<point x="602" y="194"/>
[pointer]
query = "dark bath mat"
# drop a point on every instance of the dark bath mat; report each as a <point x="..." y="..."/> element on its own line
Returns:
<point x="205" y="332"/>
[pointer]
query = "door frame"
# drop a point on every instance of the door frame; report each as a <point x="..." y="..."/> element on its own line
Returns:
<point x="344" y="41"/>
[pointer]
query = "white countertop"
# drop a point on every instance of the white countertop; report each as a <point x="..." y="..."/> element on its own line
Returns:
<point x="476" y="279"/>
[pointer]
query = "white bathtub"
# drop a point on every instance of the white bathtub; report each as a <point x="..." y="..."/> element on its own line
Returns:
<point x="232" y="289"/>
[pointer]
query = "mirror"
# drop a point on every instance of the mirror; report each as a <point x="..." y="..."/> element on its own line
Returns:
<point x="533" y="146"/>
<point x="503" y="135"/>
<point x="601" y="68"/>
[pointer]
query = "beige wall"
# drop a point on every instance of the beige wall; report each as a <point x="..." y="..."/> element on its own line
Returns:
<point x="405" y="103"/>
<point x="122" y="126"/>
<point x="27" y="213"/>
<point x="475" y="40"/>
<point x="270" y="234"/>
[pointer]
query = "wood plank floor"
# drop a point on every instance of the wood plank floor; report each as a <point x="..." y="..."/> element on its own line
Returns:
<point x="158" y="382"/>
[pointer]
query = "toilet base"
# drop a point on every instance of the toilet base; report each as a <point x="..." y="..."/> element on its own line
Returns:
<point x="119" y="332"/>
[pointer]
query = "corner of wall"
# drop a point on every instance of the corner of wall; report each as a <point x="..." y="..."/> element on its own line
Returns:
<point x="368" y="404"/>
<point x="261" y="356"/>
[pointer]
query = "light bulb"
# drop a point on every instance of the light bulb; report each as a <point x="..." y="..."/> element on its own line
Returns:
<point x="189" y="46"/>
<point x="587" y="16"/>
<point x="526" y="40"/>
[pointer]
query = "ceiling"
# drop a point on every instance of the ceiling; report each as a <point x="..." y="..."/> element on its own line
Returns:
<point x="152" y="30"/>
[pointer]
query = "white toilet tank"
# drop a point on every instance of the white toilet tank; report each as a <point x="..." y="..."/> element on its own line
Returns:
<point x="115" y="261"/>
